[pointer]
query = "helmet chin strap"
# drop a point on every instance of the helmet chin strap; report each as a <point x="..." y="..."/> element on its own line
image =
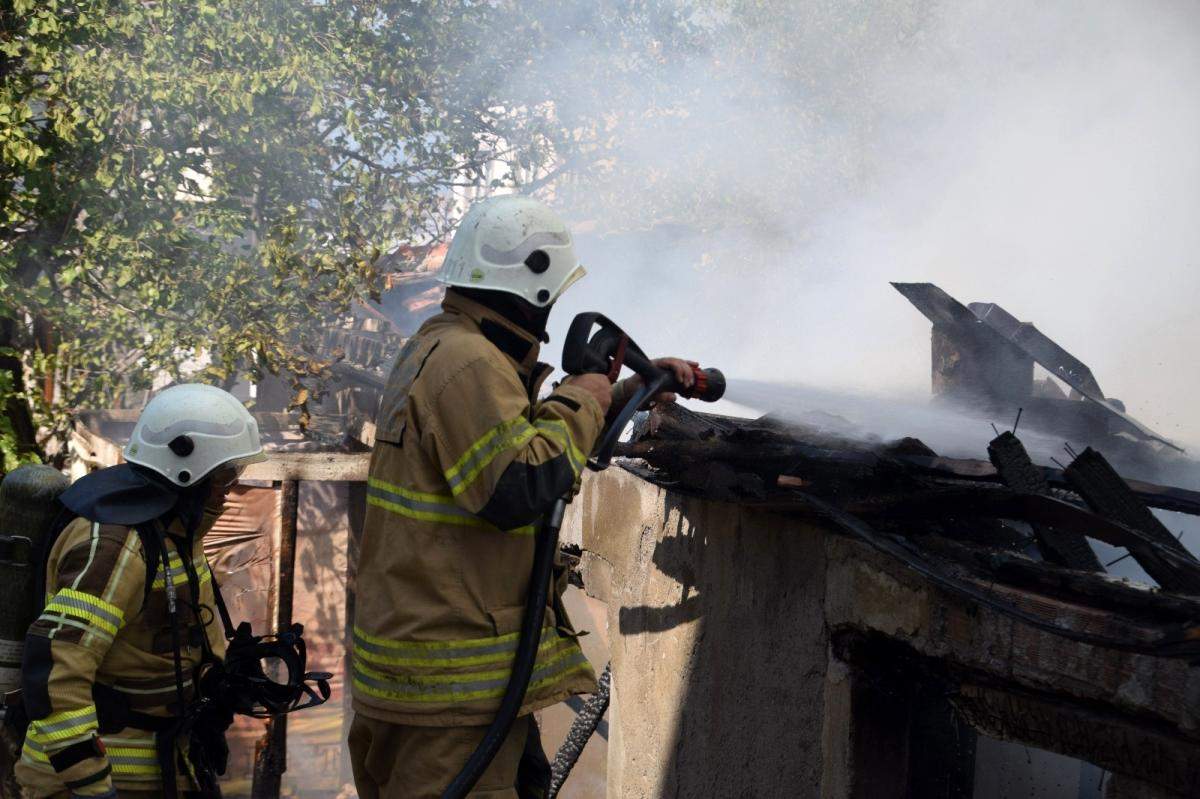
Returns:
<point x="191" y="504"/>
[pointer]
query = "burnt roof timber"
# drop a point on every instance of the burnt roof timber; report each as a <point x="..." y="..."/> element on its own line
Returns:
<point x="1069" y="584"/>
<point x="998" y="327"/>
<point x="1163" y="497"/>
<point x="1019" y="473"/>
<point x="877" y="485"/>
<point x="788" y="457"/>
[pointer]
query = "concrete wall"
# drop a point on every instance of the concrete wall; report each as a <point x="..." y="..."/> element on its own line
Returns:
<point x="761" y="656"/>
<point x="715" y="618"/>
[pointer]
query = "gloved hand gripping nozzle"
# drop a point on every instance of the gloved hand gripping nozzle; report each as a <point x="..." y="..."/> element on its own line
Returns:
<point x="606" y="352"/>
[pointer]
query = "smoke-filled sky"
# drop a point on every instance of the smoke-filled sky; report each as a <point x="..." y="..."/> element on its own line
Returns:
<point x="1045" y="156"/>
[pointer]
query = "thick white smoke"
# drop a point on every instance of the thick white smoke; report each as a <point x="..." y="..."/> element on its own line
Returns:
<point x="1042" y="156"/>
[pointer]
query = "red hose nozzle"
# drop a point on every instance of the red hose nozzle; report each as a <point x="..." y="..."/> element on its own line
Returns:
<point x="709" y="385"/>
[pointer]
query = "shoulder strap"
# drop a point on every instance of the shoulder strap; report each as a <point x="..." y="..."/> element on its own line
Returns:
<point x="226" y="621"/>
<point x="155" y="551"/>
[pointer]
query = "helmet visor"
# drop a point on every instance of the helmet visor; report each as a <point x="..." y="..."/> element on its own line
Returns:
<point x="576" y="275"/>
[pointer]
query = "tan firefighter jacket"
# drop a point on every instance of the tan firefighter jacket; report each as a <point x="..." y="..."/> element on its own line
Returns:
<point x="465" y="461"/>
<point x="95" y="628"/>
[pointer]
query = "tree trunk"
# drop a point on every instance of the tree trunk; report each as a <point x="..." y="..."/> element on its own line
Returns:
<point x="16" y="410"/>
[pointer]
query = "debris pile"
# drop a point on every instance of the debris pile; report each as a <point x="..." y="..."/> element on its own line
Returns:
<point x="979" y="529"/>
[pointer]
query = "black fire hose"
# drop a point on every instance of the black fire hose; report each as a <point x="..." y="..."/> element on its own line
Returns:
<point x="544" y="549"/>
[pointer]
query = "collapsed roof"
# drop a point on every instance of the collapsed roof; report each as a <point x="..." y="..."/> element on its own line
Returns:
<point x="966" y="525"/>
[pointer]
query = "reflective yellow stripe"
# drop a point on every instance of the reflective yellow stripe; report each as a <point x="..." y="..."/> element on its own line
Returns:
<point x="474" y="652"/>
<point x="63" y="621"/>
<point x="557" y="431"/>
<point x="504" y="436"/>
<point x="464" y="687"/>
<point x="100" y="614"/>
<point x="423" y="507"/>
<point x="40" y="748"/>
<point x="179" y="575"/>
<point x="61" y="726"/>
<point x="134" y="759"/>
<point x="34" y="755"/>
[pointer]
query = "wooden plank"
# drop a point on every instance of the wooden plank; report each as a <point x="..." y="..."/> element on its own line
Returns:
<point x="1113" y="742"/>
<point x="870" y="593"/>
<point x="349" y="467"/>
<point x="270" y="761"/>
<point x="97" y="420"/>
<point x="95" y="450"/>
<point x="362" y="429"/>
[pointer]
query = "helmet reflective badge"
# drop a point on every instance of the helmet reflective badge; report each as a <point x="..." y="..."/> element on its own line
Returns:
<point x="187" y="431"/>
<point x="516" y="245"/>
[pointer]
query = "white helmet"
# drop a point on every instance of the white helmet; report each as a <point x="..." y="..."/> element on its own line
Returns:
<point x="187" y="431"/>
<point x="513" y="244"/>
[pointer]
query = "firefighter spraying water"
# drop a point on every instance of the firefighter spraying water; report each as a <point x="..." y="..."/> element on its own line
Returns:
<point x="466" y="491"/>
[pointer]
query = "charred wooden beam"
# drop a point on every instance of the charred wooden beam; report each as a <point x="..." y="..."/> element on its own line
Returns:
<point x="678" y="423"/>
<point x="772" y="458"/>
<point x="1042" y="615"/>
<point x="1158" y="496"/>
<point x="1001" y="503"/>
<point x="1096" y="590"/>
<point x="270" y="758"/>
<point x="1094" y="479"/>
<point x="1155" y="754"/>
<point x="1019" y="473"/>
<point x="909" y="456"/>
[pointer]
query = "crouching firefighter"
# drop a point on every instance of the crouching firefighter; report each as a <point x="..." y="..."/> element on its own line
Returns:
<point x="126" y="682"/>
<point x="467" y="461"/>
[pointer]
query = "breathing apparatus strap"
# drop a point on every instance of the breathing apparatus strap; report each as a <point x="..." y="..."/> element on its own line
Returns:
<point x="165" y="740"/>
<point x="226" y="621"/>
<point x="243" y="686"/>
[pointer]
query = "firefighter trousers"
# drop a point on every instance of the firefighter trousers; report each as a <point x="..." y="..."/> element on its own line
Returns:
<point x="394" y="760"/>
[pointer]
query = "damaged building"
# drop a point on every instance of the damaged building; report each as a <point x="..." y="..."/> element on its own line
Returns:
<point x="792" y="615"/>
<point x="789" y="611"/>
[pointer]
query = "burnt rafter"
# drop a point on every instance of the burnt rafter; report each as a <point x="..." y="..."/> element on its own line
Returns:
<point x="923" y="511"/>
<point x="984" y="357"/>
<point x="1019" y="473"/>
